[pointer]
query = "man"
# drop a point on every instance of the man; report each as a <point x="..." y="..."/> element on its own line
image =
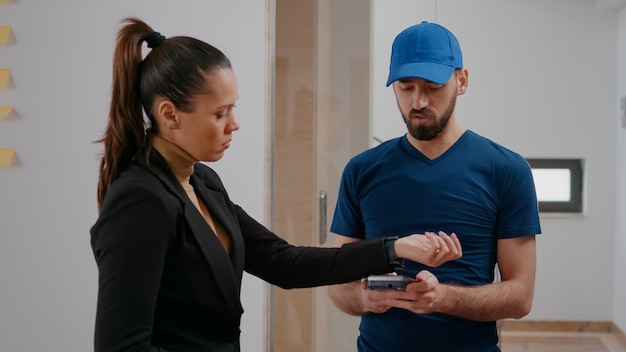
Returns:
<point x="439" y="176"/>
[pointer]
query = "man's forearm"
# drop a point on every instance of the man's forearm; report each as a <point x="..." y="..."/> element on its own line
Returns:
<point x="347" y="297"/>
<point x="507" y="299"/>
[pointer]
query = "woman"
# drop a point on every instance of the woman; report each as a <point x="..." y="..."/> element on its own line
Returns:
<point x="170" y="245"/>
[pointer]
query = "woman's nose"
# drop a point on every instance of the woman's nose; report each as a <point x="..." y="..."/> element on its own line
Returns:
<point x="234" y="124"/>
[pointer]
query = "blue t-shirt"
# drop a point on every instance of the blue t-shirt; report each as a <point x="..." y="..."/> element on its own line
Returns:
<point x="477" y="189"/>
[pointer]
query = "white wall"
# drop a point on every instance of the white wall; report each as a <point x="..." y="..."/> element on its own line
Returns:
<point x="620" y="209"/>
<point x="556" y="100"/>
<point x="541" y="82"/>
<point x="60" y="57"/>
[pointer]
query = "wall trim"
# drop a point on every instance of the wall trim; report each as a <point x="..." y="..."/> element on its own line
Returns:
<point x="561" y="326"/>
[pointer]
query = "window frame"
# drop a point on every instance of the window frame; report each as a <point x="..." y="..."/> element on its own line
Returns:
<point x="575" y="167"/>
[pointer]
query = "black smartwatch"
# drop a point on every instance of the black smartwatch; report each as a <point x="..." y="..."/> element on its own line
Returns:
<point x="394" y="262"/>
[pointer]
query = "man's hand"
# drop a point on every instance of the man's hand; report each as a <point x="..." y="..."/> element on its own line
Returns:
<point x="420" y="296"/>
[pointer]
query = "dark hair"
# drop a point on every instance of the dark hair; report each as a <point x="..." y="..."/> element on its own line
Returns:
<point x="174" y="69"/>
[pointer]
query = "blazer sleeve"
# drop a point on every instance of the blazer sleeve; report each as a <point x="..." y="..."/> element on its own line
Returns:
<point x="274" y="260"/>
<point x="130" y="241"/>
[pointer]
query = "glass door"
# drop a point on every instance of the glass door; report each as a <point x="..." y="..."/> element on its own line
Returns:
<point x="321" y="103"/>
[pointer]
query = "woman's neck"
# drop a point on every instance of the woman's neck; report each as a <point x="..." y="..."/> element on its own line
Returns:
<point x="178" y="160"/>
<point x="181" y="164"/>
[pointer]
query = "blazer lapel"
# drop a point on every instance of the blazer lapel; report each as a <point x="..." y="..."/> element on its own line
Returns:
<point x="218" y="206"/>
<point x="211" y="247"/>
<point x="213" y="250"/>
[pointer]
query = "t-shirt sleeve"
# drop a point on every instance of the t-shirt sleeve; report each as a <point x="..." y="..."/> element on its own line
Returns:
<point x="347" y="219"/>
<point x="519" y="214"/>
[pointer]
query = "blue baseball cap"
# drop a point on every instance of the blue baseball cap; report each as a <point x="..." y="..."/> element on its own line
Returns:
<point x="426" y="50"/>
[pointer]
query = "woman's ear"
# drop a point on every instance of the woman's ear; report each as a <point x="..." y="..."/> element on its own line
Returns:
<point x="461" y="78"/>
<point x="167" y="114"/>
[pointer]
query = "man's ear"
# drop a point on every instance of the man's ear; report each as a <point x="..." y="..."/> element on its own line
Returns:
<point x="462" y="78"/>
<point x="167" y="114"/>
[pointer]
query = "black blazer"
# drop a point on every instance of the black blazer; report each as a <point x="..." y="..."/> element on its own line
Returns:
<point x="165" y="281"/>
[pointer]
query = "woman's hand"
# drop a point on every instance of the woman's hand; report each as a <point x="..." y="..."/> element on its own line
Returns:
<point x="429" y="249"/>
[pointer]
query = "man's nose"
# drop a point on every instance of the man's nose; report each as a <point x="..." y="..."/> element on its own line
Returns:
<point x="419" y="100"/>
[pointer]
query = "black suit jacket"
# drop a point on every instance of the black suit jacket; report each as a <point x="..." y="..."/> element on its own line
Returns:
<point x="165" y="281"/>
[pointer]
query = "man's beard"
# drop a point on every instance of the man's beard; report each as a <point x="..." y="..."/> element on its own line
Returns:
<point x="424" y="132"/>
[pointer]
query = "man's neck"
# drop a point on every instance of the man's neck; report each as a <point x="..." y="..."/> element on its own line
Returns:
<point x="435" y="147"/>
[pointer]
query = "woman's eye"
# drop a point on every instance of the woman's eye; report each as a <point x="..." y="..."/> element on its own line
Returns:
<point x="223" y="114"/>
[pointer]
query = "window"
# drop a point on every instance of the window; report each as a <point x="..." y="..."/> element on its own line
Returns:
<point x="559" y="184"/>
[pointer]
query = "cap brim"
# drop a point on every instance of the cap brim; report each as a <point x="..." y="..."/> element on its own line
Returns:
<point x="429" y="71"/>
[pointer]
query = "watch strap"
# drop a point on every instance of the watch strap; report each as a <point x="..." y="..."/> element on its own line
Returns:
<point x="394" y="262"/>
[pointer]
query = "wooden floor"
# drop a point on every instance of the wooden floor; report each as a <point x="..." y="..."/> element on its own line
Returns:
<point x="521" y="336"/>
